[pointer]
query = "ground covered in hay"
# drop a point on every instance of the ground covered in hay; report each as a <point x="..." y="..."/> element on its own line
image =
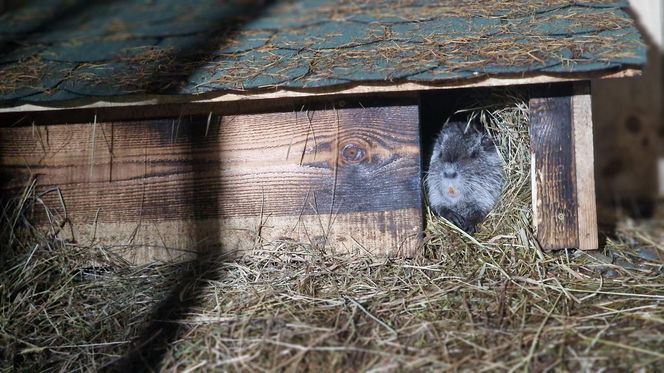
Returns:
<point x="295" y="307"/>
<point x="493" y="302"/>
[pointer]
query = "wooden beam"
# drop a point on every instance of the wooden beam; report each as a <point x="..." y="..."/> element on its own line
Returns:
<point x="345" y="180"/>
<point x="564" y="209"/>
<point x="582" y="125"/>
<point x="554" y="197"/>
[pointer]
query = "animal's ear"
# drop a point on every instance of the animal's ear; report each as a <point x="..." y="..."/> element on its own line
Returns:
<point x="487" y="143"/>
<point x="442" y="136"/>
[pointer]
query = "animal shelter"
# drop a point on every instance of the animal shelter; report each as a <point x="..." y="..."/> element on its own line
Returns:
<point x="291" y="139"/>
<point x="309" y="124"/>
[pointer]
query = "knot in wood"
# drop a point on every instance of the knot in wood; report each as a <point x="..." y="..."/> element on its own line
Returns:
<point x="353" y="153"/>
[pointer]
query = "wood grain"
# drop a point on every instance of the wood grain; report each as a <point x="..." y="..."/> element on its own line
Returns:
<point x="357" y="169"/>
<point x="564" y="207"/>
<point x="380" y="233"/>
<point x="585" y="167"/>
<point x="554" y="175"/>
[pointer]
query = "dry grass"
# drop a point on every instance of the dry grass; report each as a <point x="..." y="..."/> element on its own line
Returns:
<point x="494" y="302"/>
<point x="22" y="76"/>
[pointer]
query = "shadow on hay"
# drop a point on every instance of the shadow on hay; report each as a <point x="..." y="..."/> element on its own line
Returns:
<point x="162" y="328"/>
<point x="149" y="348"/>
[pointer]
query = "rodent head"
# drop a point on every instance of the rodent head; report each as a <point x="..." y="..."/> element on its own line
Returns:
<point x="464" y="166"/>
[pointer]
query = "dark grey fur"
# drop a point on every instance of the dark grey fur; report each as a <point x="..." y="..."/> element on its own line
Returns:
<point x="465" y="177"/>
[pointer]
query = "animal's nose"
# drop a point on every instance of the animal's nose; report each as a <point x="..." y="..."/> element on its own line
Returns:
<point x="450" y="174"/>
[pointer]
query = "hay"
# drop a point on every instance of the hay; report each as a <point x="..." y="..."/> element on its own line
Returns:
<point x="494" y="302"/>
<point x="27" y="75"/>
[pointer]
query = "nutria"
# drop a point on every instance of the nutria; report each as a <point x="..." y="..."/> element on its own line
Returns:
<point x="465" y="176"/>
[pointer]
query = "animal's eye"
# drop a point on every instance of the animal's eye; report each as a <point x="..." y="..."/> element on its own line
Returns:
<point x="487" y="143"/>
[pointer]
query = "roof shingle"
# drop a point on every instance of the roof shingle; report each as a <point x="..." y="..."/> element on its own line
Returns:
<point x="62" y="50"/>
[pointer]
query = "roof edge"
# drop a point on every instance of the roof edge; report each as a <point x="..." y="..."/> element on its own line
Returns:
<point x="358" y="89"/>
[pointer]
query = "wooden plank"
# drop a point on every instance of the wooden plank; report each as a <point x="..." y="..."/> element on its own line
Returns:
<point x="554" y="182"/>
<point x="348" y="178"/>
<point x="564" y="207"/>
<point x="173" y="110"/>
<point x="247" y="99"/>
<point x="378" y="233"/>
<point x="585" y="167"/>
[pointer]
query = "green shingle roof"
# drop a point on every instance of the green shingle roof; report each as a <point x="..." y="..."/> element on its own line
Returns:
<point x="61" y="50"/>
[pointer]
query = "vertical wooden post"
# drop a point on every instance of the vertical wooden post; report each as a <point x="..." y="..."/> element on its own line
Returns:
<point x="582" y="125"/>
<point x="564" y="209"/>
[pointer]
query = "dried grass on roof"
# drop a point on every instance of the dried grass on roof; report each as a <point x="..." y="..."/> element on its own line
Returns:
<point x="418" y="10"/>
<point x="343" y="43"/>
<point x="27" y="75"/>
<point x="494" y="302"/>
